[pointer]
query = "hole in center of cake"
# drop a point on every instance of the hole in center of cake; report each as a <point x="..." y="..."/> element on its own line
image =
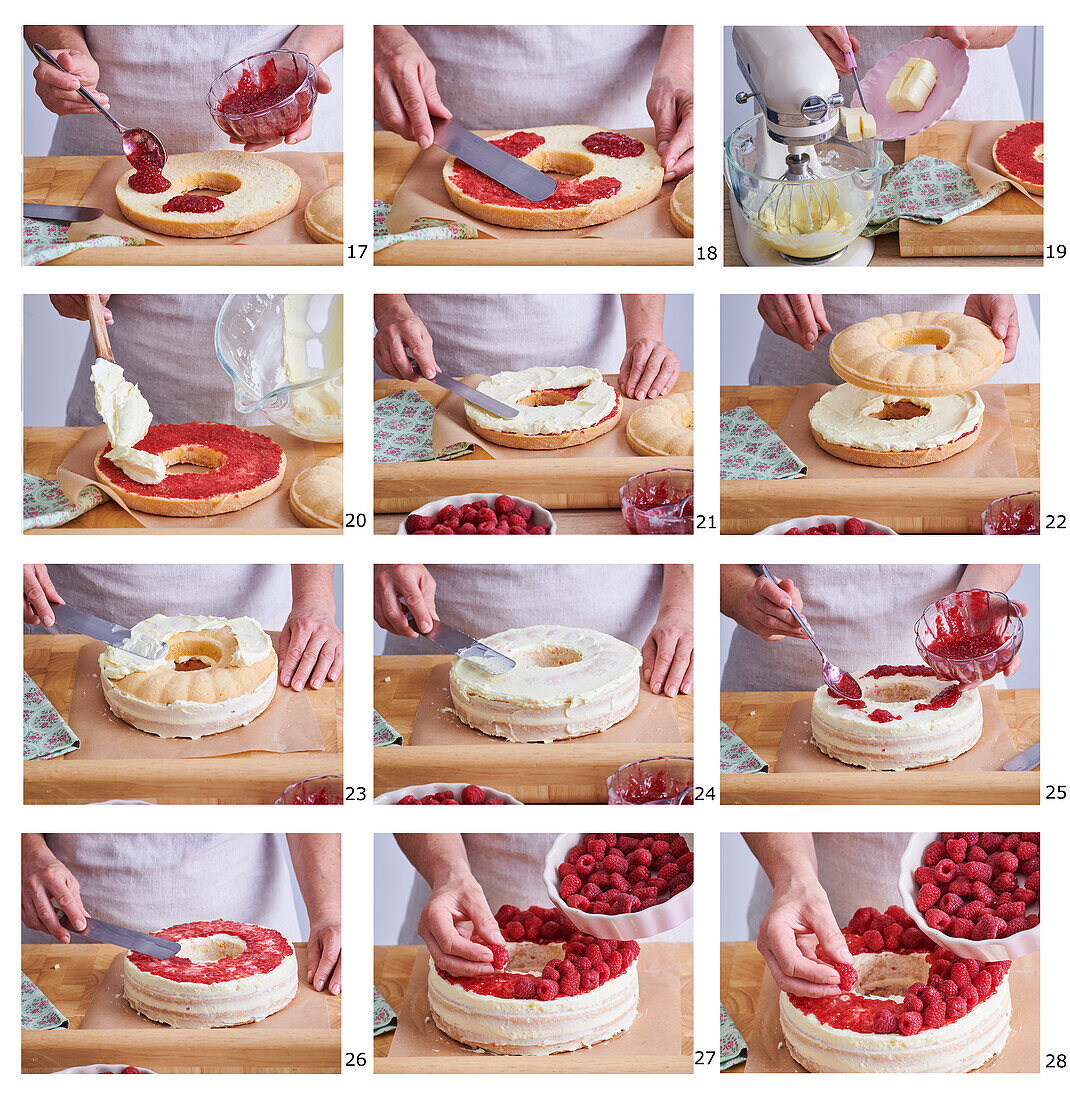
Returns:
<point x="919" y="340"/>
<point x="889" y="975"/>
<point x="549" y="656"/>
<point x="897" y="693"/>
<point x="192" y="653"/>
<point x="211" y="948"/>
<point x="192" y="458"/>
<point x="903" y="409"/>
<point x="541" y="398"/>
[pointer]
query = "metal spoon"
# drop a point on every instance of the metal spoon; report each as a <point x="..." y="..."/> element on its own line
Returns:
<point x="138" y="140"/>
<point x="836" y="680"/>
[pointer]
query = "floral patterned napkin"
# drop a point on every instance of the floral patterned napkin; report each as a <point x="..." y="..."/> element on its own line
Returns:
<point x="384" y="1018"/>
<point x="43" y="241"/>
<point x="752" y="451"/>
<point x="44" y="733"/>
<point x="733" y="1049"/>
<point x="38" y="1012"/>
<point x="44" y="503"/>
<point x="737" y="757"/>
<point x="929" y="191"/>
<point x="401" y="430"/>
<point x="383" y="733"/>
<point x="422" y="229"/>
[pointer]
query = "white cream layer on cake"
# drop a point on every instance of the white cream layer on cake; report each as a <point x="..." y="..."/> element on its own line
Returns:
<point x="957" y="1047"/>
<point x="567" y="682"/>
<point x="595" y="401"/>
<point x="516" y="1026"/>
<point x="912" y="739"/>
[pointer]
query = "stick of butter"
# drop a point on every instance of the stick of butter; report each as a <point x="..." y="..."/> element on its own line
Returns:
<point x="857" y="123"/>
<point x="911" y="86"/>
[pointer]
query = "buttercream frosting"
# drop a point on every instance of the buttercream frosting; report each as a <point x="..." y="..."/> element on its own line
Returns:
<point x="127" y="417"/>
<point x="595" y="401"/>
<point x="849" y="416"/>
<point x="317" y="409"/>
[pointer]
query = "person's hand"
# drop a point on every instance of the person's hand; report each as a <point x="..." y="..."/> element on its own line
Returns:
<point x="455" y="914"/>
<point x="399" y="333"/>
<point x="302" y="133"/>
<point x="668" y="654"/>
<point x="45" y="880"/>
<point x="955" y="35"/>
<point x="1016" y="660"/>
<point x="74" y="307"/>
<point x="831" y="40"/>
<point x="38" y="596"/>
<point x="764" y="609"/>
<point x="58" y="91"/>
<point x="671" y="106"/>
<point x="310" y="647"/>
<point x="324" y="954"/>
<point x="406" y="96"/>
<point x="1000" y="313"/>
<point x="650" y="368"/>
<point x="412" y="585"/>
<point x="800" y="919"/>
<point x="799" y="318"/>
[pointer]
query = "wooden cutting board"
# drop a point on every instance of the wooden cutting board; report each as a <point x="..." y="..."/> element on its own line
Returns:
<point x="393" y="968"/>
<point x="565" y="483"/>
<point x="909" y="505"/>
<point x="394" y="157"/>
<point x="759" y="719"/>
<point x="1010" y="225"/>
<point x="249" y="778"/>
<point x="62" y="181"/>
<point x="565" y="771"/>
<point x="68" y="975"/>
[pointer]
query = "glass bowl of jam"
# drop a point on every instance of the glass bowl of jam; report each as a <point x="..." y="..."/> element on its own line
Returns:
<point x="320" y="790"/>
<point x="655" y="781"/>
<point x="969" y="636"/>
<point x="659" y="502"/>
<point x="263" y="98"/>
<point x="1018" y="514"/>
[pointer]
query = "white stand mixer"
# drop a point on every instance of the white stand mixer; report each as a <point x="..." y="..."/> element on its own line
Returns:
<point x="796" y="89"/>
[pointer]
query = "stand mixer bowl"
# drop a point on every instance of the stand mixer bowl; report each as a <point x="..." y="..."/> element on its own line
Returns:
<point x="249" y="347"/>
<point x="850" y="176"/>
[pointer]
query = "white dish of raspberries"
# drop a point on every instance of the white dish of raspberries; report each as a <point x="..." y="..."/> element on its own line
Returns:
<point x="827" y="525"/>
<point x="673" y="906"/>
<point x="104" y="1067"/>
<point x="975" y="892"/>
<point x="432" y="794"/>
<point x="479" y="514"/>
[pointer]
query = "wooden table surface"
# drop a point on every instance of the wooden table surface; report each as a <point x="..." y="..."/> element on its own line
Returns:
<point x="69" y="975"/>
<point x="392" y="969"/>
<point x="886" y="251"/>
<point x="742" y="969"/>
<point x="566" y="772"/>
<point x="394" y="156"/>
<point x="245" y="777"/>
<point x="909" y="505"/>
<point x="759" y="719"/>
<point x="43" y="452"/>
<point x="62" y="181"/>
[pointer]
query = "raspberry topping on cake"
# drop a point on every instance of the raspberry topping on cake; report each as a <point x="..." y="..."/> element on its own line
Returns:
<point x="264" y="951"/>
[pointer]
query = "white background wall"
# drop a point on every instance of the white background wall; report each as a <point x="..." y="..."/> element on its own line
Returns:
<point x="393" y="881"/>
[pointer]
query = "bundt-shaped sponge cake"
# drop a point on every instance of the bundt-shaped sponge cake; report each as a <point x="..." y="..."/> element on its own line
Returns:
<point x="664" y="426"/>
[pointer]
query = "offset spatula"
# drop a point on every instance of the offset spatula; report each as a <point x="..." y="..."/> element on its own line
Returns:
<point x="470" y="393"/>
<point x="1025" y="761"/>
<point x="508" y="170"/>
<point x="100" y="931"/>
<point x="453" y="641"/>
<point x="81" y="622"/>
<point x="61" y="213"/>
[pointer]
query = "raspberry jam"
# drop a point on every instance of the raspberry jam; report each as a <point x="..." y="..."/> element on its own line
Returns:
<point x="854" y="704"/>
<point x="658" y="506"/>
<point x="264" y="951"/>
<point x="1016" y="151"/>
<point x="943" y="700"/>
<point x="1025" y="522"/>
<point x="260" y="90"/>
<point x="881" y="715"/>
<point x="899" y="670"/>
<point x="652" y="787"/>
<point x="610" y="144"/>
<point x="519" y="144"/>
<point x="193" y="204"/>
<point x="148" y="178"/>
<point x="966" y="648"/>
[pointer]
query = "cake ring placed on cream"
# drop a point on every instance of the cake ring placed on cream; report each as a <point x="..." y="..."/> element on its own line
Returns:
<point x="214" y="675"/>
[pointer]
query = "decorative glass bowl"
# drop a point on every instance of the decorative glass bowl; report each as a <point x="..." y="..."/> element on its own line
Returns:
<point x="968" y="619"/>
<point x="655" y="781"/>
<point x="263" y="98"/>
<point x="1018" y="514"/>
<point x="320" y="790"/>
<point x="659" y="502"/>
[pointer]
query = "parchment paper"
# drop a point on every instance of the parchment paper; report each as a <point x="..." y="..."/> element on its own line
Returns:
<point x="76" y="471"/>
<point x="766" y="1052"/>
<point x="287" y="230"/>
<point x="982" y="167"/>
<point x="436" y="723"/>
<point x="656" y="1030"/>
<point x="991" y="456"/>
<point x="995" y="747"/>
<point x="423" y="194"/>
<point x="450" y="425"/>
<point x="288" y="725"/>
<point x="109" y="1009"/>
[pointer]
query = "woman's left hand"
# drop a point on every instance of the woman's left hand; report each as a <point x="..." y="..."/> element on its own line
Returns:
<point x="324" y="957"/>
<point x="668" y="665"/>
<point x="650" y="368"/>
<point x="310" y="648"/>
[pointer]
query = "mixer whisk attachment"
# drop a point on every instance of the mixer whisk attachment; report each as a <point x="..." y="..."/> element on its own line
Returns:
<point x="802" y="203"/>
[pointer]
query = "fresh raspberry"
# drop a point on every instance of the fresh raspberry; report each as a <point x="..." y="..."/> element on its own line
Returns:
<point x="913" y="938"/>
<point x="1003" y="861"/>
<point x="550" y="972"/>
<point x="956" y="849"/>
<point x="1027" y="850"/>
<point x="935" y="1014"/>
<point x="947" y="869"/>
<point x="848" y="976"/>
<point x="473" y="795"/>
<point x="526" y="988"/>
<point x="935" y="852"/>
<point x="501" y="955"/>
<point x="854" y="526"/>
<point x="441" y="529"/>
<point x="590" y="891"/>
<point x="1005" y="881"/>
<point x="504" y="505"/>
<point x="961" y="886"/>
<point x="617" y="864"/>
<point x="1010" y="843"/>
<point x="956" y="1007"/>
<point x="1011" y="911"/>
<point x="408" y="800"/>
<point x="570" y="984"/>
<point x="547" y="990"/>
<point x="659" y="848"/>
<point x="912" y="1003"/>
<point x="414" y="523"/>
<point x="585" y="864"/>
<point x="1016" y="925"/>
<point x="884" y="1022"/>
<point x="970" y="996"/>
<point x="960" y="929"/>
<point x="861" y="920"/>
<point x="793" y="531"/>
<point x="514" y="931"/>
<point x="991" y="842"/>
<point x="1032" y="882"/>
<point x="893" y="936"/>
<point x="596" y="847"/>
<point x="873" y="940"/>
<point x="910" y="1023"/>
<point x="590" y="979"/>
<point x="1032" y="920"/>
<point x="948" y="989"/>
<point x="928" y="896"/>
<point x="532" y="927"/>
<point x="924" y="875"/>
<point x="983" y="984"/>
<point x="938" y="919"/>
<point x="638" y="875"/>
<point x="939" y="969"/>
<point x="619" y="882"/>
<point x="1029" y="866"/>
